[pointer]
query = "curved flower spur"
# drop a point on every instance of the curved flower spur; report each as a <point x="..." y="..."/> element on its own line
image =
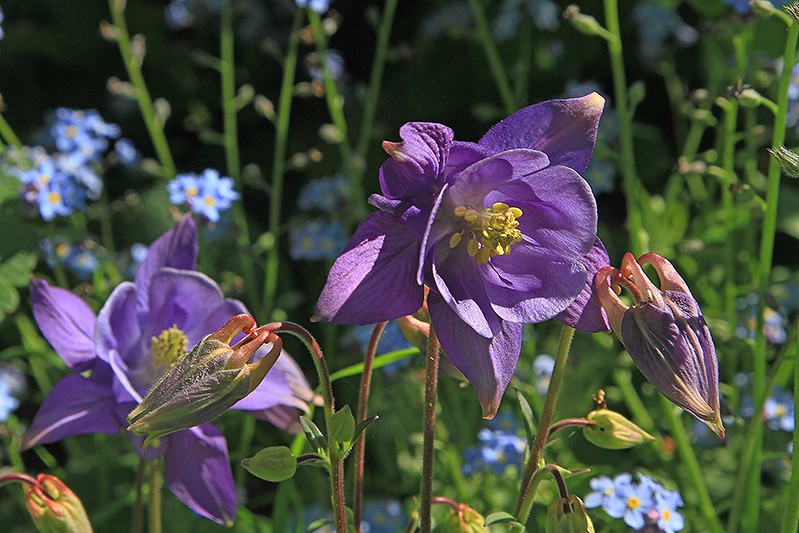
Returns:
<point x="665" y="334"/>
<point x="206" y="381"/>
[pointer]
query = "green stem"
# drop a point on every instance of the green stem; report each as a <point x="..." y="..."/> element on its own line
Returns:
<point x="154" y="514"/>
<point x="747" y="496"/>
<point x="730" y="108"/>
<point x="7" y="133"/>
<point x="279" y="165"/>
<point x="527" y="491"/>
<point x="375" y="79"/>
<point x="639" y="241"/>
<point x="336" y="461"/>
<point x="230" y="125"/>
<point x="429" y="431"/>
<point x="492" y="54"/>
<point x="335" y="106"/>
<point x="360" y="443"/>
<point x="790" y="521"/>
<point x="137" y="522"/>
<point x="133" y="68"/>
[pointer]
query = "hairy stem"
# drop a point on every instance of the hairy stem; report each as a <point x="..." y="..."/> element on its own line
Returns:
<point x="428" y="429"/>
<point x="154" y="514"/>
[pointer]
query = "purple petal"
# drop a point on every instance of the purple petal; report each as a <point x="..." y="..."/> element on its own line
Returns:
<point x="530" y="285"/>
<point x="462" y="155"/>
<point x="586" y="313"/>
<point x="282" y="417"/>
<point x="460" y="284"/>
<point x="477" y="180"/>
<point x="189" y="300"/>
<point x="374" y="279"/>
<point x="417" y="161"/>
<point x="75" y="406"/>
<point x="563" y="129"/>
<point x="488" y="364"/>
<point x="284" y="385"/>
<point x="67" y="323"/>
<point x="118" y="327"/>
<point x="197" y="470"/>
<point x="177" y="248"/>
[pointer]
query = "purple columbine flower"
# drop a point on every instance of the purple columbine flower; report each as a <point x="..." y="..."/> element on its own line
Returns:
<point x="502" y="231"/>
<point x="117" y="355"/>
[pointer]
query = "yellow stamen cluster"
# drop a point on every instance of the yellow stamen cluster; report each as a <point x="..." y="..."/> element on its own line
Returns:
<point x="168" y="347"/>
<point x="493" y="231"/>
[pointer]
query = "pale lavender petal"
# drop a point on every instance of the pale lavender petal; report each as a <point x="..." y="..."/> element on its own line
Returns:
<point x="462" y="155"/>
<point x="177" y="248"/>
<point x="563" y="129"/>
<point x="586" y="313"/>
<point x="417" y="161"/>
<point x="67" y="323"/>
<point x="488" y="364"/>
<point x="118" y="327"/>
<point x="374" y="279"/>
<point x="197" y="470"/>
<point x="75" y="406"/>
<point x="284" y="384"/>
<point x="459" y="282"/>
<point x="282" y="417"/>
<point x="530" y="285"/>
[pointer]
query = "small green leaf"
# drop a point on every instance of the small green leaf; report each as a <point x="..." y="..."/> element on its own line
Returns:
<point x="318" y="524"/>
<point x="276" y="463"/>
<point x="527" y="416"/>
<point x="18" y="268"/>
<point x="363" y="425"/>
<point x="9" y="297"/>
<point x="342" y="425"/>
<point x="500" y="517"/>
<point x="314" y="436"/>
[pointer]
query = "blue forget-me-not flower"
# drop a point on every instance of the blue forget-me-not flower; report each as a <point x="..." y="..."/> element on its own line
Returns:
<point x="206" y="194"/>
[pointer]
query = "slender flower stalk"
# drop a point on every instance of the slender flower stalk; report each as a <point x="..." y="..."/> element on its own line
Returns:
<point x="154" y="510"/>
<point x="133" y="68"/>
<point x="568" y="422"/>
<point x="375" y="79"/>
<point x="7" y="134"/>
<point x="790" y="521"/>
<point x="279" y="164"/>
<point x="137" y="522"/>
<point x="363" y="403"/>
<point x="526" y="492"/>
<point x="746" y="500"/>
<point x="428" y="429"/>
<point x="494" y="61"/>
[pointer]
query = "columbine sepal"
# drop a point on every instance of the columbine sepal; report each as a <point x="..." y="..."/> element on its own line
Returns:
<point x="568" y="515"/>
<point x="665" y="334"/>
<point x="205" y="382"/>
<point x="54" y="508"/>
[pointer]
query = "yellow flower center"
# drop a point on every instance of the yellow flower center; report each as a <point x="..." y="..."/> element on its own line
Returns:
<point x="54" y="197"/>
<point x="62" y="250"/>
<point x="209" y="201"/>
<point x="633" y="502"/>
<point x="72" y="131"/>
<point x="665" y="514"/>
<point x="168" y="347"/>
<point x="780" y="410"/>
<point x="493" y="230"/>
<point x="192" y="192"/>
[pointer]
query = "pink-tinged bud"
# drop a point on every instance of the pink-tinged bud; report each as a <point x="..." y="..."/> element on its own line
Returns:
<point x="54" y="508"/>
<point x="206" y="381"/>
<point x="665" y="334"/>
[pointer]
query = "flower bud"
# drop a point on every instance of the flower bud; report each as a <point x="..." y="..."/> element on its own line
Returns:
<point x="613" y="431"/>
<point x="568" y="515"/>
<point x="665" y="334"/>
<point x="788" y="160"/>
<point x="466" y="520"/>
<point x="206" y="381"/>
<point x="749" y="97"/>
<point x="54" y="508"/>
<point x="583" y="23"/>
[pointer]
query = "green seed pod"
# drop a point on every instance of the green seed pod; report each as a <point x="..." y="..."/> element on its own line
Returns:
<point x="613" y="431"/>
<point x="568" y="515"/>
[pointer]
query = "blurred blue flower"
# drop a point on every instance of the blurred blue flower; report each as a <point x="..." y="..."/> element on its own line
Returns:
<point x="604" y="491"/>
<point x="181" y="14"/>
<point x="545" y="15"/>
<point x="80" y="260"/>
<point x="126" y="151"/>
<point x="391" y="341"/>
<point x="543" y="365"/>
<point x="632" y="503"/>
<point x="335" y="65"/>
<point x="496" y="452"/>
<point x="656" y="23"/>
<point x="320" y="6"/>
<point x="383" y="516"/>
<point x="599" y="175"/>
<point x="12" y="383"/>
<point x="316" y="240"/>
<point x="1" y="21"/>
<point x="773" y="322"/>
<point x="82" y="131"/>
<point x="646" y="503"/>
<point x="206" y="194"/>
<point x="328" y="194"/>
<point x="505" y="422"/>
<point x="742" y="7"/>
<point x="778" y="410"/>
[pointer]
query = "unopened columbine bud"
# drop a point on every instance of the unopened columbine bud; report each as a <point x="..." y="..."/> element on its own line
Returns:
<point x="466" y="520"/>
<point x="568" y="515"/>
<point x="763" y="7"/>
<point x="749" y="97"/>
<point x="583" y="23"/>
<point x="665" y="334"/>
<point x="206" y="381"/>
<point x="613" y="431"/>
<point x="788" y="160"/>
<point x="54" y="508"/>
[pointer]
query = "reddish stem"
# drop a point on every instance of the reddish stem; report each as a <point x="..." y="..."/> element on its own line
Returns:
<point x="568" y="422"/>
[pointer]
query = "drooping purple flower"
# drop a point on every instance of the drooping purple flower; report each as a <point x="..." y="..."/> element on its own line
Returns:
<point x="665" y="334"/>
<point x="117" y="355"/>
<point x="502" y="231"/>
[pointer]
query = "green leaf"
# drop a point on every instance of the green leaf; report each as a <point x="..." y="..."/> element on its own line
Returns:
<point x="363" y="425"/>
<point x="501" y="517"/>
<point x="317" y="441"/>
<point x="276" y="463"/>
<point x="380" y="361"/>
<point x="318" y="524"/>
<point x="527" y="416"/>
<point x="9" y="297"/>
<point x="342" y="425"/>
<point x="18" y="268"/>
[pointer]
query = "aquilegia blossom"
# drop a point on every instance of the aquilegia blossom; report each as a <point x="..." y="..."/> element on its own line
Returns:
<point x="502" y="231"/>
<point x="126" y="348"/>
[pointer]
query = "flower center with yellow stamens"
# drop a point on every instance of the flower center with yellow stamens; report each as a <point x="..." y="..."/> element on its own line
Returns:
<point x="665" y="514"/>
<point x="633" y="502"/>
<point x="168" y="347"/>
<point x="54" y="197"/>
<point x="192" y="191"/>
<point x="493" y="230"/>
<point x="781" y="411"/>
<point x="210" y="201"/>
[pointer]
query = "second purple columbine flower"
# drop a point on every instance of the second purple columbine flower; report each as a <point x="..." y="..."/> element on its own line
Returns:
<point x="502" y="231"/>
